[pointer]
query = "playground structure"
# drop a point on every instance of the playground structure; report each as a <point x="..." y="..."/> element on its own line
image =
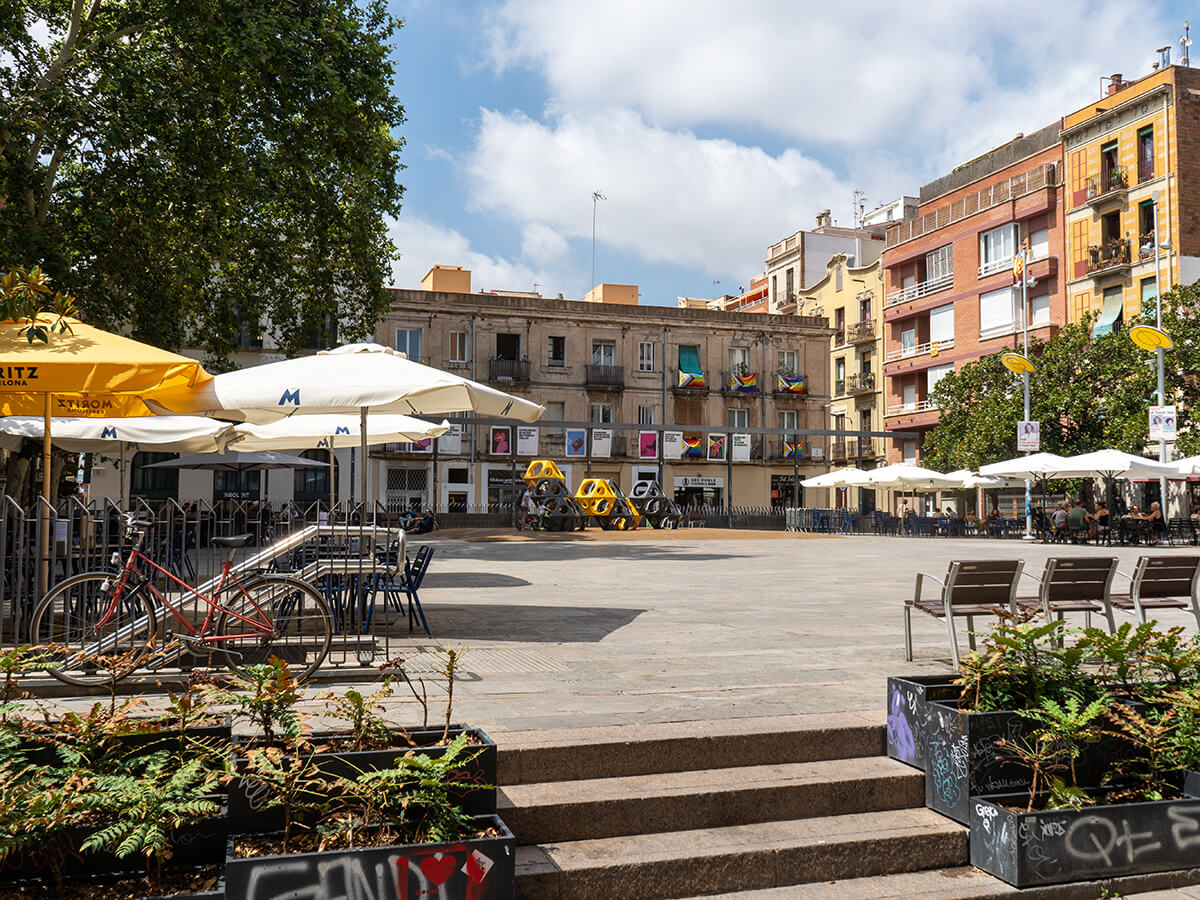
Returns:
<point x="597" y="499"/>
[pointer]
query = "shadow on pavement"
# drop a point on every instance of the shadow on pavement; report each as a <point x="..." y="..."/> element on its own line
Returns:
<point x="503" y="622"/>
<point x="471" y="580"/>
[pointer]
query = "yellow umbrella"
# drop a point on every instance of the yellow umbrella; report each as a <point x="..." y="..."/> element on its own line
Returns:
<point x="83" y="372"/>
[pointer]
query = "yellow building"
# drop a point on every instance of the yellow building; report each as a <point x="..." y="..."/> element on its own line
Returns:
<point x="1132" y="154"/>
<point x="851" y="298"/>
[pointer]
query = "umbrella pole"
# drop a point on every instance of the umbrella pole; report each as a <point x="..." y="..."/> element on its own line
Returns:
<point x="362" y="477"/>
<point x="121" y="487"/>
<point x="44" y="574"/>
<point x="332" y="480"/>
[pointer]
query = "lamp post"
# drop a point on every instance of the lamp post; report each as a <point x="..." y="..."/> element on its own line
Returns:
<point x="1020" y="364"/>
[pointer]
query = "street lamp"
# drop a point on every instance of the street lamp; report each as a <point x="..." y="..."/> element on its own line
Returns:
<point x="1150" y="338"/>
<point x="1021" y="364"/>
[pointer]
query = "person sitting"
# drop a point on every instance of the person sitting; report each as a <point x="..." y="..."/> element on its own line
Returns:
<point x="1100" y="522"/>
<point x="427" y="523"/>
<point x="972" y="522"/>
<point x="1077" y="523"/>
<point x="1155" y="523"/>
<point x="1058" y="522"/>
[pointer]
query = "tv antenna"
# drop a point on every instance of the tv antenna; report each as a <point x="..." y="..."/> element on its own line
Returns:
<point x="858" y="207"/>
<point x="1184" y="43"/>
<point x="596" y="195"/>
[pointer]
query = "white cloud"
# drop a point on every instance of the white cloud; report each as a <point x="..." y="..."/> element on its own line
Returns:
<point x="672" y="197"/>
<point x="542" y="244"/>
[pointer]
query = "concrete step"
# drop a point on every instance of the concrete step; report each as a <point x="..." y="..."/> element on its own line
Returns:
<point x="740" y="857"/>
<point x="709" y="798"/>
<point x="575" y="754"/>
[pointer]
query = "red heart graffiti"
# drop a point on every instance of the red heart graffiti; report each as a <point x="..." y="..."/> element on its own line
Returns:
<point x="438" y="868"/>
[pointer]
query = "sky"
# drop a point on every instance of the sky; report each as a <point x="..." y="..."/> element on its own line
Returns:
<point x="714" y="129"/>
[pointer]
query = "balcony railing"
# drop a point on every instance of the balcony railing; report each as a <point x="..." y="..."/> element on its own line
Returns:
<point x="860" y="381"/>
<point x="921" y="289"/>
<point x="508" y="369"/>
<point x="605" y="376"/>
<point x="1112" y="255"/>
<point x="919" y="349"/>
<point x="839" y="387"/>
<point x="905" y="409"/>
<point x="839" y="336"/>
<point x="1099" y="187"/>
<point x="861" y="331"/>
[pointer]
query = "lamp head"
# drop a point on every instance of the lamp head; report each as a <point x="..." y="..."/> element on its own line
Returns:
<point x="1017" y="363"/>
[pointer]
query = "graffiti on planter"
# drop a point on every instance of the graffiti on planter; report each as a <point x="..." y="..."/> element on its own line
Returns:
<point x="941" y="771"/>
<point x="958" y="756"/>
<point x="1096" y="839"/>
<point x="987" y="814"/>
<point x="900" y="732"/>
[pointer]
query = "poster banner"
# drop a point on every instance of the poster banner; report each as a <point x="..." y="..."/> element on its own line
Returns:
<point x="693" y="446"/>
<point x="576" y="442"/>
<point x="1162" y="423"/>
<point x="672" y="444"/>
<point x="527" y="440"/>
<point x="601" y="443"/>
<point x="451" y="441"/>
<point x="741" y="448"/>
<point x="502" y="440"/>
<point x="717" y="447"/>
<point x="1029" y="437"/>
<point x="647" y="445"/>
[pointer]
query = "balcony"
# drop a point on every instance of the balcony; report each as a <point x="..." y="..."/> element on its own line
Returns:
<point x="860" y="383"/>
<point x="740" y="382"/>
<point x="922" y="289"/>
<point x="839" y="336"/>
<point x="861" y="331"/>
<point x="605" y="377"/>
<point x="1107" y="187"/>
<point x="907" y="409"/>
<point x="932" y="348"/>
<point x="1112" y="258"/>
<point x="508" y="371"/>
<point x="839" y="387"/>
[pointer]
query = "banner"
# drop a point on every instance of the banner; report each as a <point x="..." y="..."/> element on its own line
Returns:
<point x="527" y="440"/>
<point x="451" y="441"/>
<point x="501" y="440"/>
<point x="743" y="384"/>
<point x="793" y="384"/>
<point x="691" y="379"/>
<point x="793" y="450"/>
<point x="741" y="448"/>
<point x="717" y="448"/>
<point x="1029" y="437"/>
<point x="601" y="443"/>
<point x="693" y="446"/>
<point x="1162" y="423"/>
<point x="647" y="445"/>
<point x="672" y="444"/>
<point x="576" y="442"/>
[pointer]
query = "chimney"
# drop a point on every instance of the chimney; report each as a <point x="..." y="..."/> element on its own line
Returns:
<point x="824" y="218"/>
<point x="1114" y="84"/>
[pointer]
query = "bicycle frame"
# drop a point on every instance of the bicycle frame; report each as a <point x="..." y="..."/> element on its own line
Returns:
<point x="260" y="628"/>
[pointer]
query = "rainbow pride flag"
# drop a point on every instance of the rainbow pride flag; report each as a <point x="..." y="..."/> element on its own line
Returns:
<point x="793" y="384"/>
<point x="691" y="379"/>
<point x="793" y="449"/>
<point x="743" y="384"/>
<point x="693" y="447"/>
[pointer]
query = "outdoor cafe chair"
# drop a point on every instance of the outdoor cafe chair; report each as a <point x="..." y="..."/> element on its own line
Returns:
<point x="971" y="588"/>
<point x="1161" y="582"/>
<point x="1074" y="584"/>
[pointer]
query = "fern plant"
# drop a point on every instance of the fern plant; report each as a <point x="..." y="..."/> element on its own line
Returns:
<point x="1120" y="657"/>
<point x="1069" y="725"/>
<point x="266" y="694"/>
<point x="1157" y="736"/>
<point x="292" y="782"/>
<point x="368" y="729"/>
<point x="1019" y="663"/>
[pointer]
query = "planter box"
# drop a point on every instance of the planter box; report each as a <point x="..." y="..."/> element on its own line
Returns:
<point x="909" y="699"/>
<point x="136" y="742"/>
<point x="479" y="869"/>
<point x="245" y="799"/>
<point x="1027" y="849"/>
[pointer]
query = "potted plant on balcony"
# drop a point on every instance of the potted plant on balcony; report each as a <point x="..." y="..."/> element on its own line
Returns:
<point x="1117" y="179"/>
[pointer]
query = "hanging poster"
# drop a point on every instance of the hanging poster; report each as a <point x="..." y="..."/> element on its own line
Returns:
<point x="424" y="445"/>
<point x="576" y="442"/>
<point x="527" y="440"/>
<point x="1162" y="423"/>
<point x="502" y="440"/>
<point x="647" y="445"/>
<point x="601" y="443"/>
<point x="741" y="448"/>
<point x="793" y="450"/>
<point x="717" y="447"/>
<point x="1029" y="437"/>
<point x="693" y="446"/>
<point x="451" y="441"/>
<point x="672" y="444"/>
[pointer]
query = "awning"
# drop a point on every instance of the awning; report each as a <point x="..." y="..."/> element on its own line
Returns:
<point x="1108" y="315"/>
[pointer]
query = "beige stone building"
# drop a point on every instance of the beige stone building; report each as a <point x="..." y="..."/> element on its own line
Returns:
<point x="607" y="371"/>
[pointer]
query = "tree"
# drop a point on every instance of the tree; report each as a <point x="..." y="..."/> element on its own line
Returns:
<point x="192" y="168"/>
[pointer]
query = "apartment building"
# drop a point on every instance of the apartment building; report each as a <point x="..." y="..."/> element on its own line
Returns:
<point x="1132" y="153"/>
<point x="797" y="262"/>
<point x="851" y="298"/>
<point x="948" y="273"/>
<point x="599" y="365"/>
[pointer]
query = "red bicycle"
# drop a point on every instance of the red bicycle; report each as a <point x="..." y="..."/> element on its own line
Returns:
<point x="106" y="623"/>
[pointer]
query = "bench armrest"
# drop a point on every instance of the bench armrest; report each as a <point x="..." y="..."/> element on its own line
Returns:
<point x="921" y="576"/>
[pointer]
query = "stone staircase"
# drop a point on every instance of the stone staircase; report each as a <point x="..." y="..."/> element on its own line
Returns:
<point x="701" y="808"/>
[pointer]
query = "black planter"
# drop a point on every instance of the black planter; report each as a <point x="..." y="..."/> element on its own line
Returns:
<point x="479" y="869"/>
<point x="1055" y="846"/>
<point x="138" y="742"/>
<point x="909" y="699"/>
<point x="245" y="799"/>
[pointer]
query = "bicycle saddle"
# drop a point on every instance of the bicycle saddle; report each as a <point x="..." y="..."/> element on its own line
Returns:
<point x="235" y="540"/>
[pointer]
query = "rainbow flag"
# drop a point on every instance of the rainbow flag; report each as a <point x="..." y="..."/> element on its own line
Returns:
<point x="793" y="384"/>
<point x="691" y="379"/>
<point x="743" y="384"/>
<point x="693" y="447"/>
<point x="793" y="450"/>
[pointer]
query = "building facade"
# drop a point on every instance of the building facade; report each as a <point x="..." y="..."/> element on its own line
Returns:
<point x="797" y="262"/>
<point x="623" y="368"/>
<point x="1127" y="157"/>
<point x="948" y="273"/>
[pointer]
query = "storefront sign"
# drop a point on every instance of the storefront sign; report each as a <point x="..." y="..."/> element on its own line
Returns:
<point x="699" y="481"/>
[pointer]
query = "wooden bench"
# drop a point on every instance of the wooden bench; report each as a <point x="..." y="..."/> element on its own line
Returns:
<point x="1162" y="582"/>
<point x="1075" y="584"/>
<point x="971" y="588"/>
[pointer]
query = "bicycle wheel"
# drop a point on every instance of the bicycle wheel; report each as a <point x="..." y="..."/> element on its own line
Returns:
<point x="68" y="618"/>
<point x="301" y="626"/>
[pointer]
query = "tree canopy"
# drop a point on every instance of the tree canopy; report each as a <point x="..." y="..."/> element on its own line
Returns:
<point x="1087" y="393"/>
<point x="192" y="168"/>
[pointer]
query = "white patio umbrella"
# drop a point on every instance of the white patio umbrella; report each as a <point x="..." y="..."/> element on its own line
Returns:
<point x="1189" y="465"/>
<point x="1111" y="463"/>
<point x="846" y="477"/>
<point x="970" y="480"/>
<point x="905" y="476"/>
<point x="1033" y="466"/>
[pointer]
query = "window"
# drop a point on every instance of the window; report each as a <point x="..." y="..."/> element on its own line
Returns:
<point x="775" y="288"/>
<point x="312" y="485"/>
<point x="910" y="393"/>
<point x="1039" y="310"/>
<point x="602" y="414"/>
<point x="242" y="485"/>
<point x="556" y="352"/>
<point x="996" y="249"/>
<point x="837" y="278"/>
<point x="934" y="374"/>
<point x="864" y="363"/>
<point x="508" y="346"/>
<point x="941" y="324"/>
<point x="789" y="361"/>
<point x="787" y="420"/>
<point x="1039" y="244"/>
<point x="555" y="412"/>
<point x="909" y="449"/>
<point x="1146" y="228"/>
<point x="689" y="359"/>
<point x="458" y="346"/>
<point x="604" y="353"/>
<point x="646" y="356"/>
<point x="408" y="342"/>
<point x="1145" y="153"/>
<point x="739" y="359"/>
<point x="1149" y="293"/>
<point x="996" y="313"/>
<point x="864" y="310"/>
<point x="739" y="418"/>
<point x="458" y="475"/>
<point x="839" y="366"/>
<point x="908" y="340"/>
<point x="790" y="286"/>
<point x="648" y="415"/>
<point x="839" y="324"/>
<point x="939" y="263"/>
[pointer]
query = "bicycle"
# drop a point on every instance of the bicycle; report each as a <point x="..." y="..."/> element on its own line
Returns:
<point x="105" y="623"/>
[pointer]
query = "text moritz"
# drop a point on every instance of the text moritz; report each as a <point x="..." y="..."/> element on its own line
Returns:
<point x="17" y="376"/>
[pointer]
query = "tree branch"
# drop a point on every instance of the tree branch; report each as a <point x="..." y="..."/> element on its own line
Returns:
<point x="48" y="184"/>
<point x="65" y="53"/>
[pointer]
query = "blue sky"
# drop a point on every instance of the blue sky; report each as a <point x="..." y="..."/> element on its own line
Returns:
<point x="713" y="128"/>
